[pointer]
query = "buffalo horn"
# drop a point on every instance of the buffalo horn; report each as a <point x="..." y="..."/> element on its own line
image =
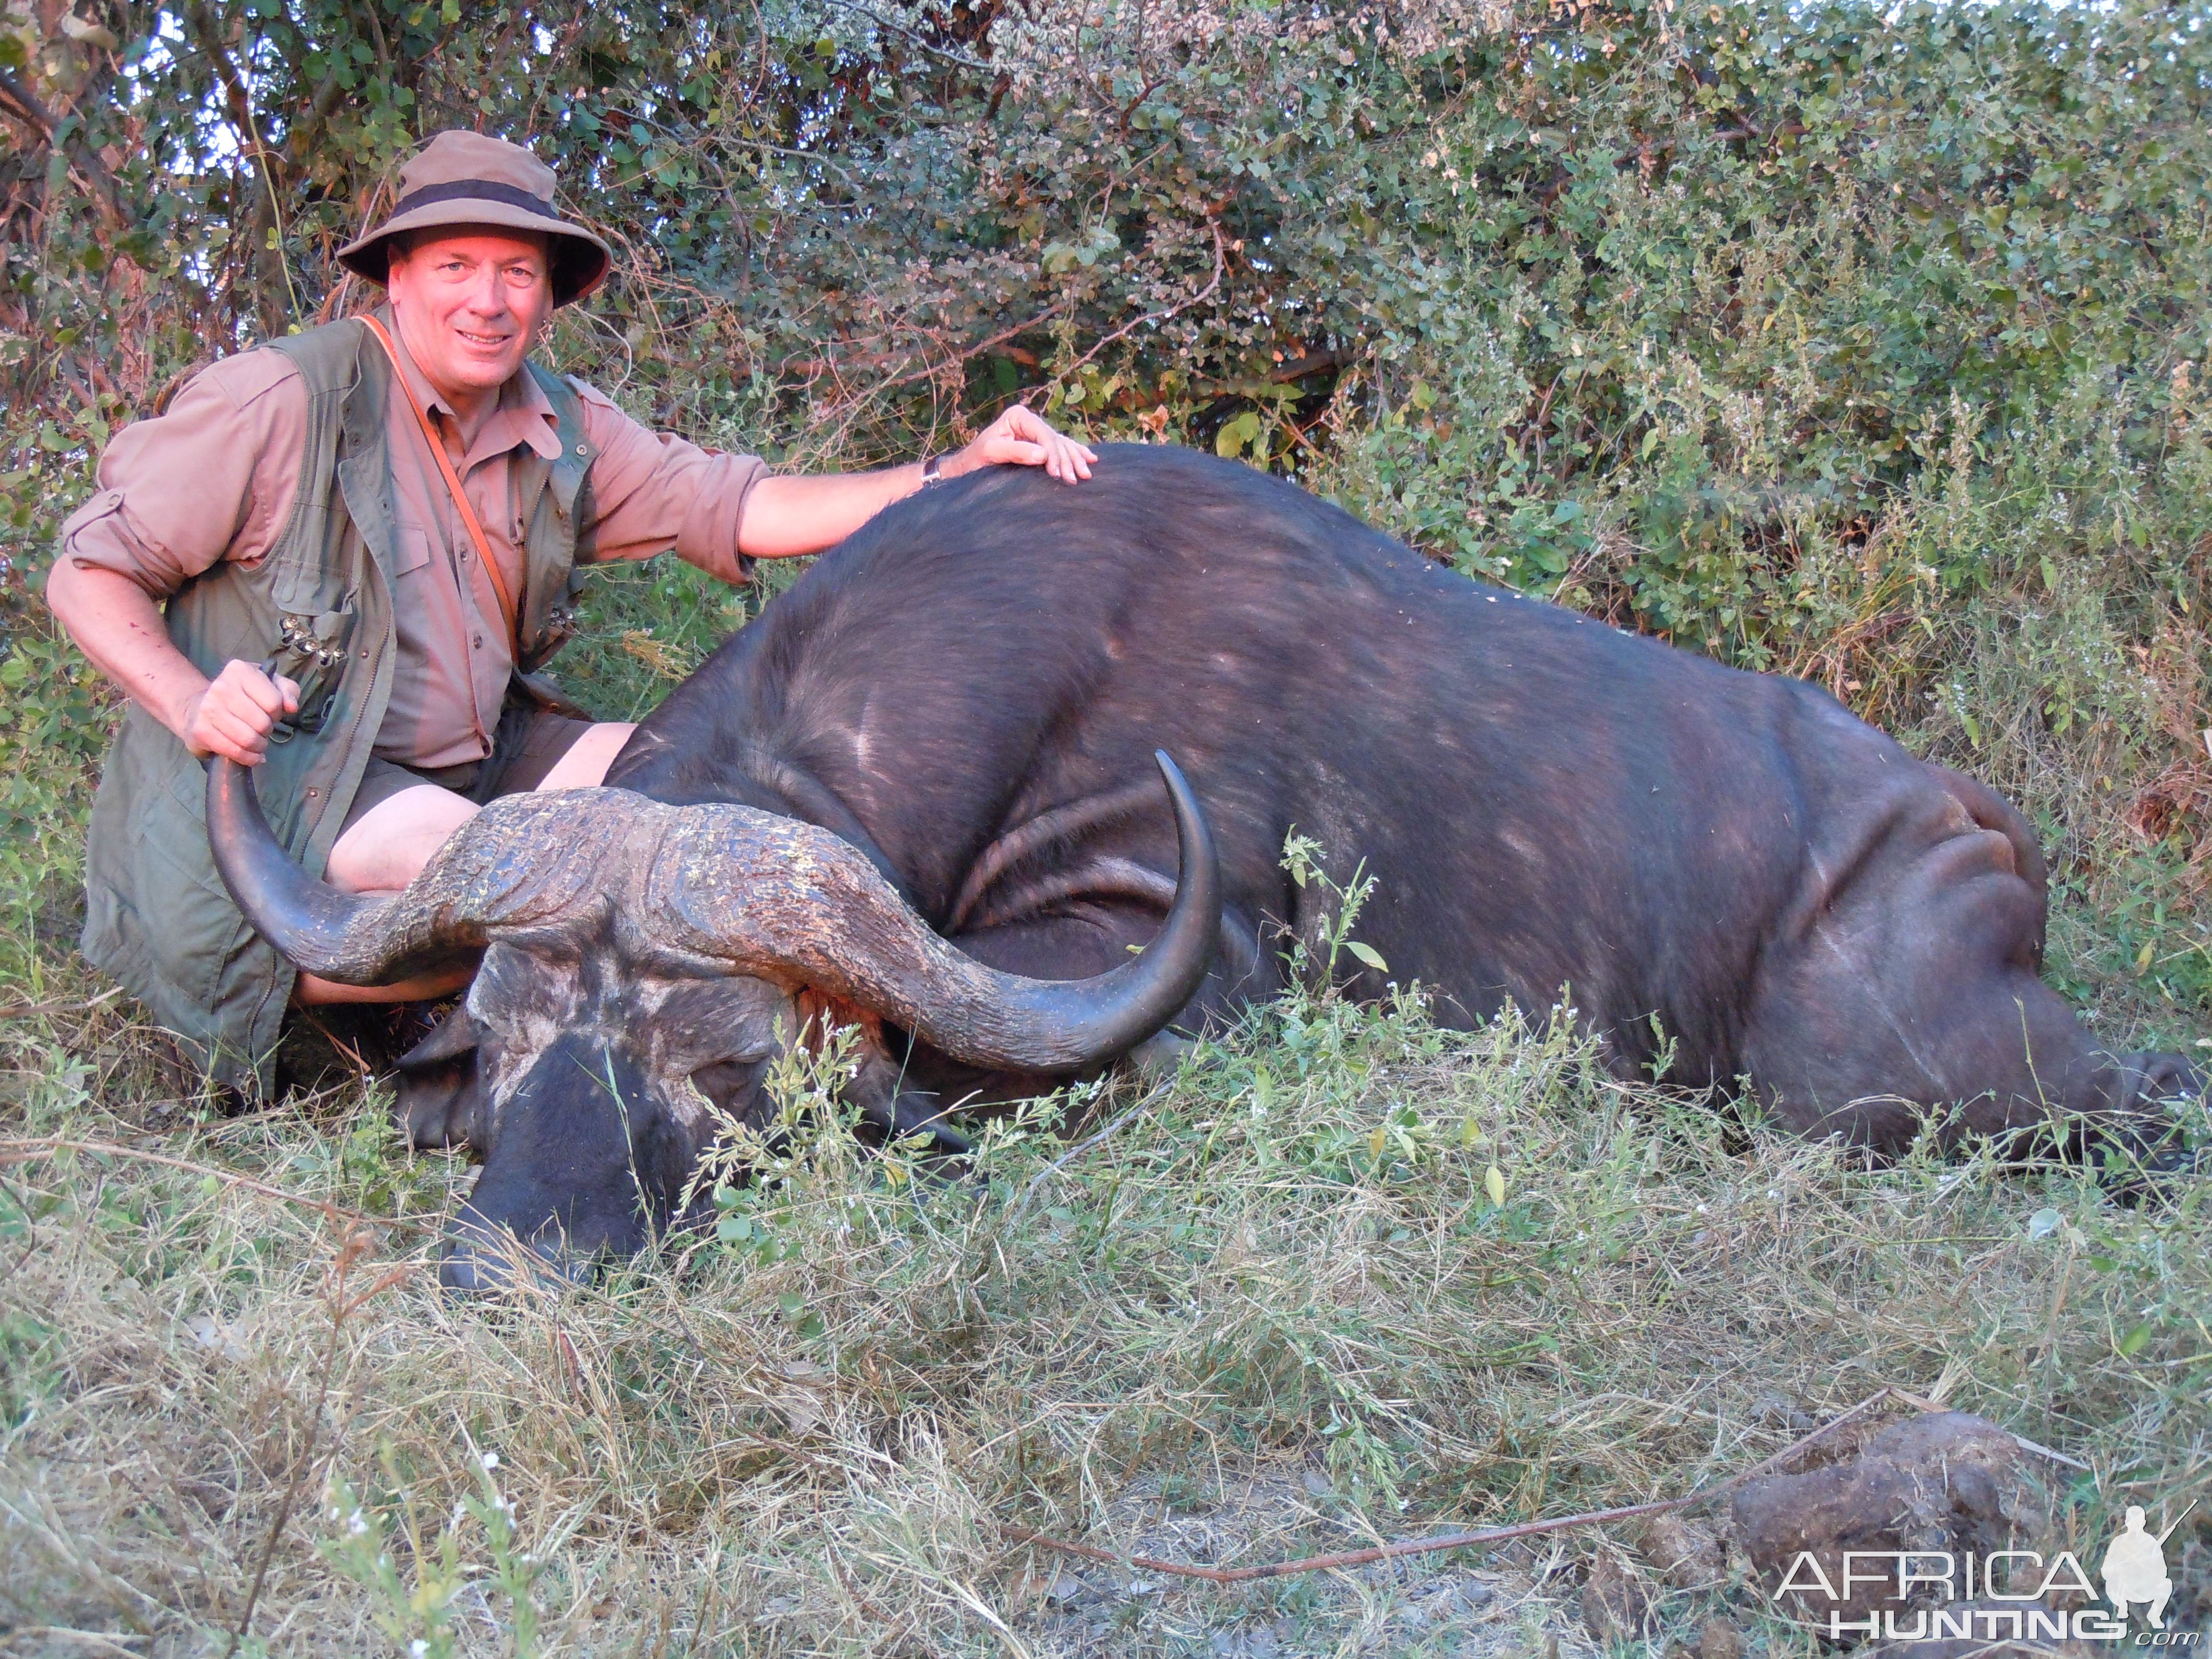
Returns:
<point x="802" y="906"/>
<point x="355" y="940"/>
<point x="724" y="884"/>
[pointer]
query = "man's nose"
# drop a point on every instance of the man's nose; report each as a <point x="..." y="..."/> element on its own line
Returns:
<point x="488" y="293"/>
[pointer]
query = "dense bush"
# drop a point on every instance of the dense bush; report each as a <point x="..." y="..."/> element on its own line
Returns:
<point x="1863" y="342"/>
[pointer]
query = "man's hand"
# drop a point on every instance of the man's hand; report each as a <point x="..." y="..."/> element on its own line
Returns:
<point x="1020" y="438"/>
<point x="234" y="716"/>
<point x="787" y="515"/>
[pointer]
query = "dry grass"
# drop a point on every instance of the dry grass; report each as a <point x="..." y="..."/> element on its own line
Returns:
<point x="1279" y="1312"/>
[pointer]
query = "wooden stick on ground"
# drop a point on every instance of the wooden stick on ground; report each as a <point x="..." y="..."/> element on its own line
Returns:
<point x="40" y="1010"/>
<point x="1459" y="1539"/>
<point x="1081" y="1149"/>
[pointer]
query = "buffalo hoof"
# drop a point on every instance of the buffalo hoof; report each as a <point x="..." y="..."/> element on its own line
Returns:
<point x="484" y="1259"/>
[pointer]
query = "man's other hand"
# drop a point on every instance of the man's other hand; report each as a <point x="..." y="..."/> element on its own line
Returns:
<point x="234" y="716"/>
<point x="1019" y="437"/>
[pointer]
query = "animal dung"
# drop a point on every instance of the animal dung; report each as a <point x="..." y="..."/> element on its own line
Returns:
<point x="1615" y="1607"/>
<point x="1683" y="1551"/>
<point x="1945" y="1482"/>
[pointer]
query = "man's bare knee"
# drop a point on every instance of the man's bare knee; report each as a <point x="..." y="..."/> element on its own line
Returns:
<point x="585" y="765"/>
<point x="387" y="846"/>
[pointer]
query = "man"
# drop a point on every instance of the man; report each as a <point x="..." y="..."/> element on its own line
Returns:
<point x="281" y="569"/>
<point x="2135" y="1569"/>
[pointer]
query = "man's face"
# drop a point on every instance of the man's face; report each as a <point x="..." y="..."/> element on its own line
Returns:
<point x="470" y="304"/>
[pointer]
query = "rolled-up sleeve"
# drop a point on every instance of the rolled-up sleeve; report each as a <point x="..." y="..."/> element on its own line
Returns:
<point x="210" y="478"/>
<point x="652" y="492"/>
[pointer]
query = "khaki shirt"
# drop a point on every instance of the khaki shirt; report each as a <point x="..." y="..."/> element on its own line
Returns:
<point x="213" y="478"/>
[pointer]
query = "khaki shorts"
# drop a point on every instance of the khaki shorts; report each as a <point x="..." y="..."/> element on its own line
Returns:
<point x="528" y="744"/>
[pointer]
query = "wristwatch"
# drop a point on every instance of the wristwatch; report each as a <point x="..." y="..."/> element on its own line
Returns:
<point x="930" y="474"/>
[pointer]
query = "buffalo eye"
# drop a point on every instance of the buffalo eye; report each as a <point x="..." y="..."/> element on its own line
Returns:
<point x="729" y="1083"/>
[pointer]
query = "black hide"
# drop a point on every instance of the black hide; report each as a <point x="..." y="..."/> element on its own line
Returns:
<point x="583" y="1152"/>
<point x="971" y="689"/>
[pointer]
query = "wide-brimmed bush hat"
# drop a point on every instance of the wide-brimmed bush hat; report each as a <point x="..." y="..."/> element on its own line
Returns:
<point x="468" y="178"/>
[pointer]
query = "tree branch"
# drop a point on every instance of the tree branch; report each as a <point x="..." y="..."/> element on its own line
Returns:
<point x="17" y="100"/>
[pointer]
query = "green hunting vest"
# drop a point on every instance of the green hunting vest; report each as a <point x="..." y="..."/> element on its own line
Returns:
<point x="319" y="610"/>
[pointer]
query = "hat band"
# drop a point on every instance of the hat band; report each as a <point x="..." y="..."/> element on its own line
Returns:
<point x="474" y="190"/>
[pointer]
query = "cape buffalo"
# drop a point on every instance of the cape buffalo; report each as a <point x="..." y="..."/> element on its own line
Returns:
<point x="968" y="693"/>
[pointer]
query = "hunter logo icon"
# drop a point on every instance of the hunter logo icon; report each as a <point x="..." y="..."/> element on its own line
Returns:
<point x="2135" y="1569"/>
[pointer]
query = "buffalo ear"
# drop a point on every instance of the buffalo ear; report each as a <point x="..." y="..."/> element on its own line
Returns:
<point x="452" y="1036"/>
<point x="440" y="1100"/>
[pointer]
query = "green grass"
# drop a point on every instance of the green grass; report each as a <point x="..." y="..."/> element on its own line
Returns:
<point x="1285" y="1310"/>
<point x="1282" y="1311"/>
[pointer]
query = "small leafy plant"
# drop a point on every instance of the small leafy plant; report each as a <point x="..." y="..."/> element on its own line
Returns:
<point x="417" y="1610"/>
<point x="1341" y="905"/>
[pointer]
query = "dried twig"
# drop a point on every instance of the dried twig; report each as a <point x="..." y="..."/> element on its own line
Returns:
<point x="1156" y="317"/>
<point x="921" y="41"/>
<point x="1459" y="1539"/>
<point x="1080" y="1149"/>
<point x="20" y="1151"/>
<point x="351" y="1246"/>
<point x="42" y="1010"/>
<point x="93" y="1641"/>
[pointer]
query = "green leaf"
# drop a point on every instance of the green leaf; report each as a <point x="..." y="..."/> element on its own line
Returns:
<point x="1229" y="443"/>
<point x="1493" y="1182"/>
<point x="1368" y="954"/>
<point x="2135" y="1341"/>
